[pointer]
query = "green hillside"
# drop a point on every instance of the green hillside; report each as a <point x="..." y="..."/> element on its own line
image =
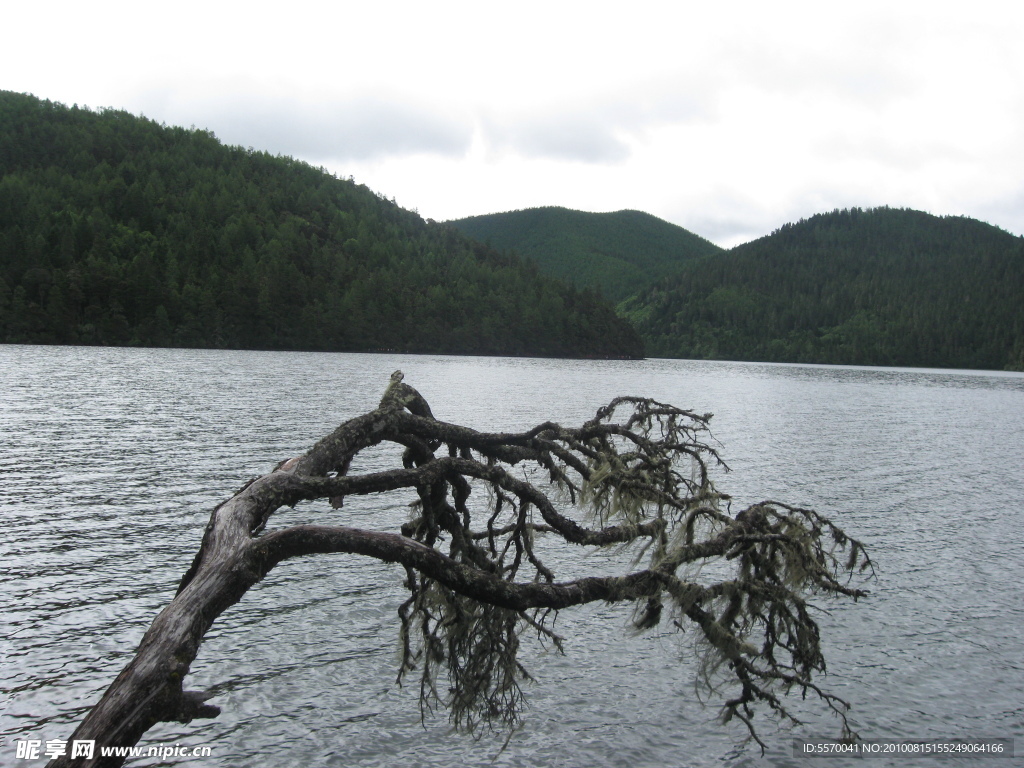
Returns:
<point x="865" y="287"/>
<point x="116" y="230"/>
<point x="619" y="253"/>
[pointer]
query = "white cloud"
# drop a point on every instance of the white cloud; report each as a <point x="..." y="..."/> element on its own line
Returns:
<point x="568" y="137"/>
<point x="328" y="127"/>
<point x="728" y="119"/>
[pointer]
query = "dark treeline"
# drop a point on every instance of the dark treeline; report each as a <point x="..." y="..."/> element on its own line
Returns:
<point x="864" y="287"/>
<point x="116" y="230"/>
<point x="618" y="253"/>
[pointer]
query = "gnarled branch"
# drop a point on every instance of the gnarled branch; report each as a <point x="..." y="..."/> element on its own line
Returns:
<point x="642" y="479"/>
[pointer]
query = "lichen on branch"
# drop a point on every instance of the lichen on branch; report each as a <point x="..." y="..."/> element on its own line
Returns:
<point x="637" y="476"/>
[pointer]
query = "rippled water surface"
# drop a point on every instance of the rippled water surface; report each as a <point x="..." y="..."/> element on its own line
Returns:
<point x="112" y="459"/>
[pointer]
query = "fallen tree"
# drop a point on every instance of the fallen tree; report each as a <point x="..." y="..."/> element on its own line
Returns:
<point x="636" y="475"/>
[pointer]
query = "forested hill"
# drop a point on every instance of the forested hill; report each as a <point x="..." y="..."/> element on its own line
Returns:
<point x="865" y="287"/>
<point x="619" y="253"/>
<point x="117" y="230"/>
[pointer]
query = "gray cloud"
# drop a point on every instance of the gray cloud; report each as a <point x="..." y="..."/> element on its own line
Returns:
<point x="579" y="138"/>
<point x="895" y="152"/>
<point x="365" y="126"/>
<point x="730" y="218"/>
<point x="726" y="218"/>
<point x="1007" y="212"/>
<point x="597" y="130"/>
<point x="353" y="128"/>
<point x="871" y="84"/>
<point x="728" y="229"/>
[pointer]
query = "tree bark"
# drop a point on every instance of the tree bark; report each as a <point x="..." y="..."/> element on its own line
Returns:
<point x="481" y="566"/>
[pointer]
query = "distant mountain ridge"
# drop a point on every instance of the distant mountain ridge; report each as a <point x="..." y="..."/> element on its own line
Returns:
<point x="618" y="253"/>
<point x="882" y="286"/>
<point x="115" y="230"/>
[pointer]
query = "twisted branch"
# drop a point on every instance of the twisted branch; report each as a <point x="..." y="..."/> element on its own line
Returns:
<point x="637" y="475"/>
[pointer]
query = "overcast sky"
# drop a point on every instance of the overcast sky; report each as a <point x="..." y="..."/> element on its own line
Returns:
<point x="729" y="118"/>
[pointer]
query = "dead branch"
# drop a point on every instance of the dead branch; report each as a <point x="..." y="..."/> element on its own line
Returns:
<point x="642" y="479"/>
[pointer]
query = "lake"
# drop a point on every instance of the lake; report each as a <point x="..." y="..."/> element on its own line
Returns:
<point x="112" y="459"/>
